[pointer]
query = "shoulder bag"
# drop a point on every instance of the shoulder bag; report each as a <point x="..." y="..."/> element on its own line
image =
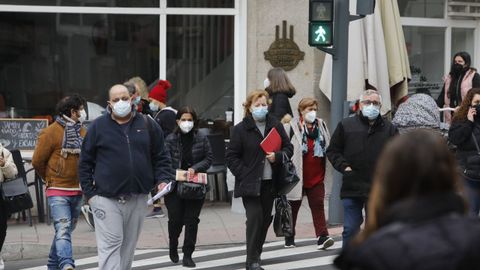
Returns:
<point x="15" y="195"/>
<point x="191" y="191"/>
<point x="287" y="178"/>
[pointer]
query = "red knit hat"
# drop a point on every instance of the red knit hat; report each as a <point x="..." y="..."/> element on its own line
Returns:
<point x="159" y="91"/>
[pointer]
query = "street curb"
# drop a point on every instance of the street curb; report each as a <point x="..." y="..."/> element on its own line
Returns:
<point x="26" y="251"/>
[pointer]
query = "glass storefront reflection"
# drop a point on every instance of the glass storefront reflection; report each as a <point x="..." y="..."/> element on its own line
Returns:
<point x="86" y="3"/>
<point x="425" y="47"/>
<point x="46" y="56"/>
<point x="202" y="3"/>
<point x="200" y="63"/>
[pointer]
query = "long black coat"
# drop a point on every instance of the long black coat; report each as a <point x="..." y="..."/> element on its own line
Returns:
<point x="425" y="234"/>
<point x="246" y="159"/>
<point x="280" y="104"/>
<point x="460" y="134"/>
<point x="201" y="151"/>
<point x="356" y="144"/>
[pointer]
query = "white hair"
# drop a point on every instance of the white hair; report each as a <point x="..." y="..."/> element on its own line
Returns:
<point x="370" y="92"/>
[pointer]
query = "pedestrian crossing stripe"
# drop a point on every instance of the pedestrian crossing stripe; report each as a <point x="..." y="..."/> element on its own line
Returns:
<point x="274" y="256"/>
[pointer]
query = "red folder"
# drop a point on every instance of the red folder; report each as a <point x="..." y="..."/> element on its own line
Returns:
<point x="272" y="142"/>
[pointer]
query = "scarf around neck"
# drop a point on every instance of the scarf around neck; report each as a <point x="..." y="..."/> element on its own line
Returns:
<point x="316" y="136"/>
<point x="72" y="141"/>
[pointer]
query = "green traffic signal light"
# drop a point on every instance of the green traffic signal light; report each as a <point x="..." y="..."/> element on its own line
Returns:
<point x="320" y="34"/>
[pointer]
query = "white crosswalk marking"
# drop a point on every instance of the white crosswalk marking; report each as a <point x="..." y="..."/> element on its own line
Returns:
<point x="274" y="256"/>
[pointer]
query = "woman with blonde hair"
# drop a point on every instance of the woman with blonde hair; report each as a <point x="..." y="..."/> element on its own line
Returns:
<point x="416" y="217"/>
<point x="280" y="90"/>
<point x="255" y="171"/>
<point x="310" y="138"/>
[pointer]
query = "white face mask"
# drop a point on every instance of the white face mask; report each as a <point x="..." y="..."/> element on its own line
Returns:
<point x="122" y="108"/>
<point x="266" y="83"/>
<point x="185" y="126"/>
<point x="83" y="116"/>
<point x="153" y="106"/>
<point x="310" y="116"/>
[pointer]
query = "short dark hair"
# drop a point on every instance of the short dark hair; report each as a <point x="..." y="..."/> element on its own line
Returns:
<point x="130" y="87"/>
<point x="190" y="110"/>
<point x="66" y="104"/>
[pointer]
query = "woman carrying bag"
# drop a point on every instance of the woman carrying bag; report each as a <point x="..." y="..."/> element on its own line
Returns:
<point x="255" y="171"/>
<point x="190" y="152"/>
<point x="465" y="134"/>
<point x="310" y="138"/>
<point x="8" y="170"/>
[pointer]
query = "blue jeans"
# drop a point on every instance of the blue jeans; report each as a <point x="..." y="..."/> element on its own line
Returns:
<point x="353" y="217"/>
<point x="64" y="211"/>
<point x="472" y="190"/>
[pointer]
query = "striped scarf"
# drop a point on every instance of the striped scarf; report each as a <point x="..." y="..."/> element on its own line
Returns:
<point x="72" y="141"/>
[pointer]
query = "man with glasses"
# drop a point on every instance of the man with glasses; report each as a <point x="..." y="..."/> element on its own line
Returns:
<point x="123" y="157"/>
<point x="353" y="151"/>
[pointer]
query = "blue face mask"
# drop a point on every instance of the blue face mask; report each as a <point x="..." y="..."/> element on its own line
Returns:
<point x="153" y="106"/>
<point x="136" y="101"/>
<point x="371" y="111"/>
<point x="259" y="113"/>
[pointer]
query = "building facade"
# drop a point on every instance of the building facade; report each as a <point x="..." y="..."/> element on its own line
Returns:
<point x="213" y="51"/>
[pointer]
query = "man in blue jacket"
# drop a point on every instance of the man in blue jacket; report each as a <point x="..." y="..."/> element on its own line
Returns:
<point x="123" y="157"/>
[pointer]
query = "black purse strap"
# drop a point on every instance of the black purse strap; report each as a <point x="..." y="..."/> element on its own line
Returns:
<point x="476" y="143"/>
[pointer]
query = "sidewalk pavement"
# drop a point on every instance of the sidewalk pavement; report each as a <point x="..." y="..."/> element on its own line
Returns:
<point x="218" y="226"/>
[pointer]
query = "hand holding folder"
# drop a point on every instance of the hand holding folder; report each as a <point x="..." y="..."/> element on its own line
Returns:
<point x="272" y="142"/>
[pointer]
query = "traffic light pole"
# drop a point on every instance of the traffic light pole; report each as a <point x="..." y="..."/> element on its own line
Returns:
<point x="338" y="109"/>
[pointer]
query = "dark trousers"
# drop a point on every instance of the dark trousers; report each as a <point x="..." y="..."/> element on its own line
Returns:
<point x="315" y="196"/>
<point x="3" y="222"/>
<point x="181" y="213"/>
<point x="352" y="217"/>
<point x="259" y="217"/>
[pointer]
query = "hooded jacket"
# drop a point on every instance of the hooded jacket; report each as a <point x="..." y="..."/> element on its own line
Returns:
<point x="419" y="111"/>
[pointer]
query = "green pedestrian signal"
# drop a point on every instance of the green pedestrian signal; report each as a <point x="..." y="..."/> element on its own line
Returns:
<point x="320" y="34"/>
<point x="320" y="27"/>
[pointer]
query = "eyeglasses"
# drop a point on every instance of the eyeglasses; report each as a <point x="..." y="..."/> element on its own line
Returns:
<point x="370" y="102"/>
<point x="124" y="98"/>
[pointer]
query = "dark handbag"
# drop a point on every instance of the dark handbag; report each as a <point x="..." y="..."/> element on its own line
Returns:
<point x="287" y="178"/>
<point x="191" y="191"/>
<point x="15" y="195"/>
<point x="472" y="164"/>
<point x="283" y="220"/>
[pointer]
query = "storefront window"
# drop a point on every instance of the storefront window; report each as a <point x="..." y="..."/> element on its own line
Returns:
<point x="44" y="57"/>
<point x="425" y="47"/>
<point x="200" y="63"/>
<point x="462" y="40"/>
<point x="422" y="8"/>
<point x="86" y="3"/>
<point x="202" y="3"/>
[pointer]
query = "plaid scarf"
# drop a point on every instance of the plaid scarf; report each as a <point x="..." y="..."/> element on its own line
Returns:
<point x="72" y="141"/>
<point x="317" y="137"/>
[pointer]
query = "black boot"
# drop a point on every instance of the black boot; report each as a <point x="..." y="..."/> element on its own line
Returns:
<point x="254" y="266"/>
<point x="188" y="262"/>
<point x="174" y="254"/>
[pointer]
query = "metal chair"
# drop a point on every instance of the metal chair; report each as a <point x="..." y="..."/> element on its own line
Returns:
<point x="218" y="166"/>
<point x="18" y="160"/>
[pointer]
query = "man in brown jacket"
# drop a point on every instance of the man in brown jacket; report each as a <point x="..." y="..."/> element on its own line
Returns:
<point x="56" y="159"/>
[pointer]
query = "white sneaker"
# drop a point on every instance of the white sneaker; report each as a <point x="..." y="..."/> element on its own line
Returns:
<point x="2" y="264"/>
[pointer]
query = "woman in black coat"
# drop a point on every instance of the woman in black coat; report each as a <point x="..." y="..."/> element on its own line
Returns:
<point x="255" y="171"/>
<point x="280" y="90"/>
<point x="416" y="217"/>
<point x="465" y="123"/>
<point x="191" y="152"/>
